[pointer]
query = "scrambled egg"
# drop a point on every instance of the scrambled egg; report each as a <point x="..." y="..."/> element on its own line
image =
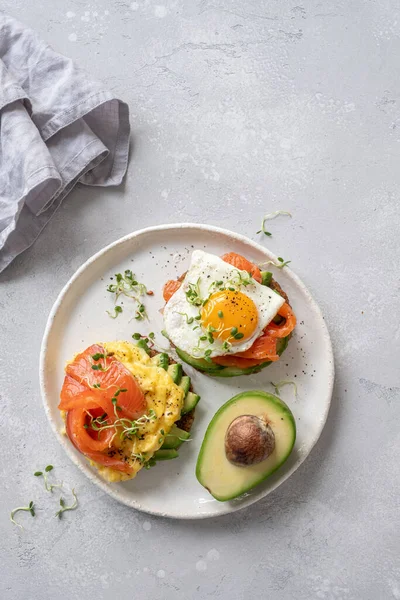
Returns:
<point x="163" y="396"/>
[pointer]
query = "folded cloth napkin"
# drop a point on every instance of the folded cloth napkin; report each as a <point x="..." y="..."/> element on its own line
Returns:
<point x="57" y="128"/>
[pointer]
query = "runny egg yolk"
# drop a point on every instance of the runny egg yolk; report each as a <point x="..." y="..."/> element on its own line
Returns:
<point x="228" y="313"/>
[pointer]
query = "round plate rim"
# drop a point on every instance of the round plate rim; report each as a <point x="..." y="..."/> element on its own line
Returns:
<point x="42" y="363"/>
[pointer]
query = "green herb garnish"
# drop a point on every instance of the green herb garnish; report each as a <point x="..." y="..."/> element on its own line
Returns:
<point x="193" y="294"/>
<point x="126" y="285"/>
<point x="238" y="336"/>
<point x="280" y="384"/>
<point x="48" y="486"/>
<point x="140" y="456"/>
<point x="279" y="265"/>
<point x="269" y="217"/>
<point x="29" y="508"/>
<point x="125" y="427"/>
<point x="117" y="311"/>
<point x="207" y="355"/>
<point x="98" y="368"/>
<point x="64" y="508"/>
<point x="189" y="320"/>
<point x="141" y="313"/>
<point x="220" y="314"/>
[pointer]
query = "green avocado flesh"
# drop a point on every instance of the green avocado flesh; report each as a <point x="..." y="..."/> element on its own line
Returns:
<point x="165" y="454"/>
<point x="218" y="371"/>
<point x="225" y="480"/>
<point x="175" y="438"/>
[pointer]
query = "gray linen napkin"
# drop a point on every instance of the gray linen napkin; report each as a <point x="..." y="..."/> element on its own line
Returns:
<point x="57" y="128"/>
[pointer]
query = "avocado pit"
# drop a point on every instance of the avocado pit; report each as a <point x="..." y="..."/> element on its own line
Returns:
<point x="249" y="440"/>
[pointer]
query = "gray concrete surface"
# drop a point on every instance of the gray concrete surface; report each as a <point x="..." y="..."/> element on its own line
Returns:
<point x="238" y="108"/>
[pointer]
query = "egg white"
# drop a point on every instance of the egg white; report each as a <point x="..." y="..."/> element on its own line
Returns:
<point x="205" y="269"/>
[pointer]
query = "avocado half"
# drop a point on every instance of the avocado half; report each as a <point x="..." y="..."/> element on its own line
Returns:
<point x="225" y="480"/>
<point x="219" y="371"/>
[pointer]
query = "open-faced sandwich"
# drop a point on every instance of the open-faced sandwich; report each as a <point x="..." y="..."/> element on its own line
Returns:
<point x="125" y="407"/>
<point x="226" y="317"/>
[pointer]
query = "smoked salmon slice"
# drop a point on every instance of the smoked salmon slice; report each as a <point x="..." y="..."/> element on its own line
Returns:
<point x="96" y="384"/>
<point x="170" y="288"/>
<point x="241" y="263"/>
<point x="94" y="377"/>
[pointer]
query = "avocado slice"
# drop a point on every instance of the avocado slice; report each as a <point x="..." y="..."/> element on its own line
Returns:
<point x="175" y="438"/>
<point x="163" y="360"/>
<point x="143" y="345"/>
<point x="189" y="403"/>
<point x="225" y="480"/>
<point x="219" y="371"/>
<point x="198" y="363"/>
<point x="266" y="278"/>
<point x="165" y="454"/>
<point x="175" y="370"/>
<point x="185" y="384"/>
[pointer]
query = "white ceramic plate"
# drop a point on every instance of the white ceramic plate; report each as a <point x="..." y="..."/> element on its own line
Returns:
<point x="79" y="318"/>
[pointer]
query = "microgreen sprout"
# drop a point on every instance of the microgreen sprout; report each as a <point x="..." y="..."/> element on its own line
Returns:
<point x="220" y="314"/>
<point x="140" y="456"/>
<point x="30" y="508"/>
<point x="272" y="216"/>
<point x="283" y="262"/>
<point x="141" y="313"/>
<point x="126" y="285"/>
<point x="280" y="384"/>
<point x="64" y="508"/>
<point x="48" y="486"/>
<point x="189" y="320"/>
<point x="125" y="427"/>
<point x="207" y="355"/>
<point x="193" y="294"/>
<point x="279" y="265"/>
<point x="117" y="311"/>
